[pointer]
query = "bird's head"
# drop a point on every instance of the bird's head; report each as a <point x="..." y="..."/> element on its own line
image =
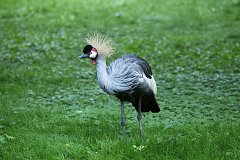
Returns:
<point x="98" y="45"/>
<point x="90" y="52"/>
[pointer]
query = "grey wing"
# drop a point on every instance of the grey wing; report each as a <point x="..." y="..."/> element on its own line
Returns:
<point x="126" y="74"/>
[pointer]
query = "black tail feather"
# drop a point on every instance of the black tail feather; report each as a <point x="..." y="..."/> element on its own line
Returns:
<point x="149" y="103"/>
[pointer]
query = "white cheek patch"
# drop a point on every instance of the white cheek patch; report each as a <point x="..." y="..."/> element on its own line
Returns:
<point x="93" y="54"/>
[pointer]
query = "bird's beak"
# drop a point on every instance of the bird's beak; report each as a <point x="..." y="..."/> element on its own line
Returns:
<point x="84" y="55"/>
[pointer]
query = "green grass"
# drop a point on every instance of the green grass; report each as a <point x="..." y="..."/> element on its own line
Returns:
<point x="51" y="106"/>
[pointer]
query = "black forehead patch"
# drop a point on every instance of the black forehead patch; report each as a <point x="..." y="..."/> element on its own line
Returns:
<point x="87" y="49"/>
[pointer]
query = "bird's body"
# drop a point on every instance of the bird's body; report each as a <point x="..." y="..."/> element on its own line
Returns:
<point x="129" y="77"/>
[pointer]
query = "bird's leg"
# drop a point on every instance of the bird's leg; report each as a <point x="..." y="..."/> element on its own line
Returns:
<point x="123" y="121"/>
<point x="139" y="116"/>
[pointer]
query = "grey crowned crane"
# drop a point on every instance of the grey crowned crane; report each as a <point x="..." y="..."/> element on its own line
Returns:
<point x="129" y="77"/>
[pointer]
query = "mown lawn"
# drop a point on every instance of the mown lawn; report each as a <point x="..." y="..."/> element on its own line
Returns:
<point x="51" y="106"/>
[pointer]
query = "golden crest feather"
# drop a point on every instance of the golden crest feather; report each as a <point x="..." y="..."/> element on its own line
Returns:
<point x="103" y="44"/>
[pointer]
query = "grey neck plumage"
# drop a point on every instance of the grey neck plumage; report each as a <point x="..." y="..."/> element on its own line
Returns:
<point x="102" y="74"/>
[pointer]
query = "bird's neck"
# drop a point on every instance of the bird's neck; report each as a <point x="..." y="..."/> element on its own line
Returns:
<point x="103" y="77"/>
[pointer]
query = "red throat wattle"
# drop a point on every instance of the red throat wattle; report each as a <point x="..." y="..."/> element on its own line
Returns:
<point x="94" y="61"/>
